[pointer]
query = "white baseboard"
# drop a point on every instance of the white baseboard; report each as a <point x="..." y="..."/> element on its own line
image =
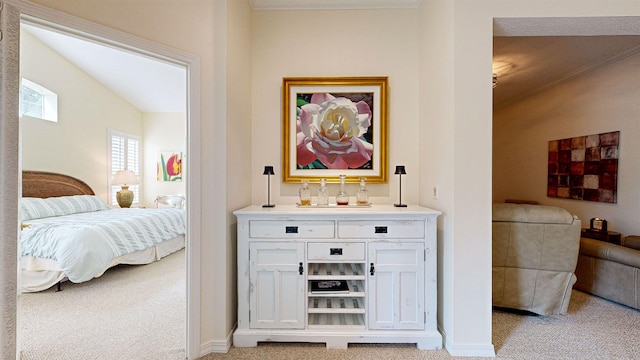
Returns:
<point x="217" y="346"/>
<point x="479" y="350"/>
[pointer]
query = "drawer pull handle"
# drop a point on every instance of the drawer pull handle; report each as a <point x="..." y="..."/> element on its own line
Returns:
<point x="381" y="229"/>
<point x="291" y="230"/>
<point x="372" y="269"/>
<point x="335" y="251"/>
<point x="301" y="269"/>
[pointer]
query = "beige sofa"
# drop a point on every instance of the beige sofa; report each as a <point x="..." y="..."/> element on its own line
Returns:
<point x="610" y="271"/>
<point x="535" y="251"/>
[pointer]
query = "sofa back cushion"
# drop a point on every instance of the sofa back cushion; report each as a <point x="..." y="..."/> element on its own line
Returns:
<point x="526" y="213"/>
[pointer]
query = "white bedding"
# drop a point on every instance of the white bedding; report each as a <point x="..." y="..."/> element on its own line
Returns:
<point x="83" y="245"/>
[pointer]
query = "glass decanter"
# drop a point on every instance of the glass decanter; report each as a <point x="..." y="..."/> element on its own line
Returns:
<point x="323" y="193"/>
<point x="305" y="194"/>
<point x="342" y="198"/>
<point x="362" y="197"/>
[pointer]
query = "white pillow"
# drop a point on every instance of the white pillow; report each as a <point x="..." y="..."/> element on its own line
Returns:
<point x="78" y="204"/>
<point x="36" y="208"/>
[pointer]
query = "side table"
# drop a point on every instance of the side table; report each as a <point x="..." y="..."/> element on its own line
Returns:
<point x="608" y="236"/>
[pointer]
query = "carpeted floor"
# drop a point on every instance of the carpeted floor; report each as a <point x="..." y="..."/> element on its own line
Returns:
<point x="128" y="313"/>
<point x="151" y="325"/>
<point x="593" y="329"/>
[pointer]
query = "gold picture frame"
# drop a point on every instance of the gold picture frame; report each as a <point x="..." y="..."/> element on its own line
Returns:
<point x="333" y="126"/>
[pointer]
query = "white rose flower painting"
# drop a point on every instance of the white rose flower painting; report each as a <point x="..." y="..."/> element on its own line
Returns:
<point x="339" y="130"/>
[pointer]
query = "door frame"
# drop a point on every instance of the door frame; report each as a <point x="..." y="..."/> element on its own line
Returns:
<point x="55" y="20"/>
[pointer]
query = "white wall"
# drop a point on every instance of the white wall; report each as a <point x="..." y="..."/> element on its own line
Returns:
<point x="437" y="147"/>
<point x="163" y="132"/>
<point x="77" y="144"/>
<point x="239" y="133"/>
<point x="335" y="43"/>
<point x="602" y="101"/>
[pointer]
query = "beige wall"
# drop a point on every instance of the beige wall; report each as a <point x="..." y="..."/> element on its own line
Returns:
<point x="452" y="138"/>
<point x="86" y="110"/>
<point x="602" y="101"/>
<point x="163" y="132"/>
<point x="335" y="43"/>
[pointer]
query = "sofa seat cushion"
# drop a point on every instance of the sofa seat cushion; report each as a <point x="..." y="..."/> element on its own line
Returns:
<point x="531" y="214"/>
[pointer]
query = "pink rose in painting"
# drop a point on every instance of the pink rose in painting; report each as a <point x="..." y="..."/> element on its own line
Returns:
<point x="331" y="130"/>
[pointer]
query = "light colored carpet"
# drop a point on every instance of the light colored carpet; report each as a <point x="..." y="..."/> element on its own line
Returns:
<point x="593" y="329"/>
<point x="151" y="323"/>
<point x="128" y="313"/>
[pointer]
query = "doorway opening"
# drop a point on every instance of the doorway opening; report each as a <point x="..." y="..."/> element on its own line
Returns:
<point x="189" y="66"/>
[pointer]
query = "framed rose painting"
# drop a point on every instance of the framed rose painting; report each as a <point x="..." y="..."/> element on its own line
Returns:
<point x="333" y="126"/>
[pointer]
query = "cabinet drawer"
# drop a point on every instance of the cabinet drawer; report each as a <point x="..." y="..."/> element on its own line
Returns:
<point x="370" y="229"/>
<point x="335" y="251"/>
<point x="291" y="229"/>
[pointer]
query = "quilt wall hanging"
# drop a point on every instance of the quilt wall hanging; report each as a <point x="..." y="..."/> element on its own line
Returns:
<point x="584" y="168"/>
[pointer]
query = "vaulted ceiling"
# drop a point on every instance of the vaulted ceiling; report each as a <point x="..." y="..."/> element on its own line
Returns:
<point x="530" y="55"/>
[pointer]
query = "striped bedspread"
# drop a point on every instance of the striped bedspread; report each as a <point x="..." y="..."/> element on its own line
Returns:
<point x="84" y="244"/>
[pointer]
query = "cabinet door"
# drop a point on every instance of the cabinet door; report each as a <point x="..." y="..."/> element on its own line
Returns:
<point x="396" y="286"/>
<point x="276" y="298"/>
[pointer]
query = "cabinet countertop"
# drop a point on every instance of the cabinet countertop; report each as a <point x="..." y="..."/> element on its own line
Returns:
<point x="314" y="210"/>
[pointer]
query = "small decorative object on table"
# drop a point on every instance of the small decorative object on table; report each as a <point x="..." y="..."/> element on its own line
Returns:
<point x="323" y="193"/>
<point x="342" y="198"/>
<point x="329" y="287"/>
<point x="362" y="197"/>
<point x="305" y="194"/>
<point x="598" y="224"/>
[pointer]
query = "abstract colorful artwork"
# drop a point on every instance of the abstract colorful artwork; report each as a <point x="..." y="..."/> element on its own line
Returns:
<point x="584" y="168"/>
<point x="170" y="166"/>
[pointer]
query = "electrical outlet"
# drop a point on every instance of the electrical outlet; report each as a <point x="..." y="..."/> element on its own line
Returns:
<point x="435" y="192"/>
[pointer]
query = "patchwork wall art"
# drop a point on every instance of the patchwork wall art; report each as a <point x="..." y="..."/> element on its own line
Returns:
<point x="584" y="168"/>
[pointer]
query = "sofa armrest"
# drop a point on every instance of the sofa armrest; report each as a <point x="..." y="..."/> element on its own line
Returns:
<point x="631" y="241"/>
<point x="612" y="252"/>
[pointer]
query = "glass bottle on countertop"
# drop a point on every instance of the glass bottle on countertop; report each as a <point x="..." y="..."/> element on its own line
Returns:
<point x="305" y="194"/>
<point x="342" y="198"/>
<point x="323" y="193"/>
<point x="362" y="197"/>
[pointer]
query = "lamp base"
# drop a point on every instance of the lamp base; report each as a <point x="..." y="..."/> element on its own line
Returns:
<point x="125" y="197"/>
<point x="400" y="205"/>
<point x="268" y="205"/>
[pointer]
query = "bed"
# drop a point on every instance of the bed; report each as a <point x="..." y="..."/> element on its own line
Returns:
<point x="71" y="234"/>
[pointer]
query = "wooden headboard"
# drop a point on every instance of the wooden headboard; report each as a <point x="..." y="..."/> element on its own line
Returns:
<point x="42" y="184"/>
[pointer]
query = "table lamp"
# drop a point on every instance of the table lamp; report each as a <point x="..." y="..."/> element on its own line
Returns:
<point x="268" y="170"/>
<point x="125" y="178"/>
<point x="400" y="171"/>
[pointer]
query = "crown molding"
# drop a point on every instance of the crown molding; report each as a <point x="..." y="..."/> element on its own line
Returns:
<point x="333" y="4"/>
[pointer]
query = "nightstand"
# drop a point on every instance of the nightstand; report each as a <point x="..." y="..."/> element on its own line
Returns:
<point x="608" y="236"/>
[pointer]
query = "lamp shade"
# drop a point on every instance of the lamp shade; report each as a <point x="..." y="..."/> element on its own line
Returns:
<point x="125" y="177"/>
<point x="400" y="170"/>
<point x="268" y="170"/>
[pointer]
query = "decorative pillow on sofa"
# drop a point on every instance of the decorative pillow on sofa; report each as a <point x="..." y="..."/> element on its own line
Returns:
<point x="78" y="204"/>
<point x="36" y="208"/>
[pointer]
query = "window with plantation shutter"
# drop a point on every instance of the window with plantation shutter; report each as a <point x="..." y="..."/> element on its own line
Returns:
<point x="124" y="153"/>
